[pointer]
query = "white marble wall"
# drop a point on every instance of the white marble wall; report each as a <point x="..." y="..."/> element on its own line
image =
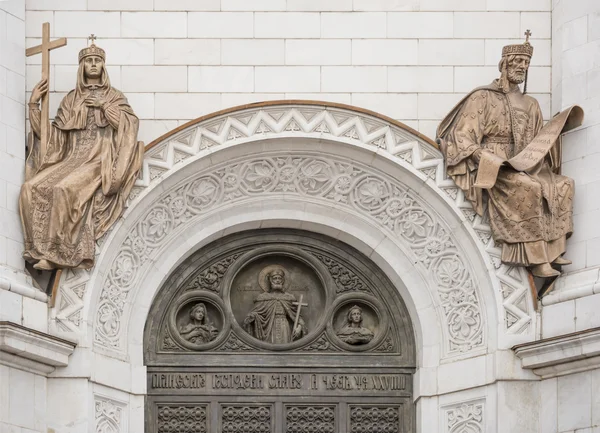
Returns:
<point x="573" y="304"/>
<point x="29" y="310"/>
<point x="179" y="59"/>
<point x="22" y="401"/>
<point x="12" y="129"/>
<point x="576" y="80"/>
<point x="571" y="403"/>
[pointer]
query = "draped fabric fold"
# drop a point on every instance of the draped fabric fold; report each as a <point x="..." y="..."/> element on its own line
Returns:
<point x="530" y="212"/>
<point x="76" y="187"/>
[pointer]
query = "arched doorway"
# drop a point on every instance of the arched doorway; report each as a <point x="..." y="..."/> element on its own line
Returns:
<point x="400" y="212"/>
<point x="222" y="354"/>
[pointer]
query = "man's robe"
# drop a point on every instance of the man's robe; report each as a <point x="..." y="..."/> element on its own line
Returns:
<point x="530" y="213"/>
<point x="77" y="186"/>
<point x="272" y="317"/>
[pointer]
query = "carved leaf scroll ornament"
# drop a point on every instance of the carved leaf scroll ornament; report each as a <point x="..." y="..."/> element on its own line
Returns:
<point x="348" y="184"/>
<point x="467" y="418"/>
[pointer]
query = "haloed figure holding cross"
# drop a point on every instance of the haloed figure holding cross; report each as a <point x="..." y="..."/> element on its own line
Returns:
<point x="275" y="317"/>
<point x="77" y="183"/>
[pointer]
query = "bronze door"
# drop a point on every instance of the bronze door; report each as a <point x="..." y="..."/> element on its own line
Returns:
<point x="279" y="331"/>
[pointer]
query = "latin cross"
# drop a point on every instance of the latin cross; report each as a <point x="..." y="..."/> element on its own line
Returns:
<point x="299" y="304"/>
<point x="527" y="35"/>
<point x="46" y="46"/>
<point x="92" y="39"/>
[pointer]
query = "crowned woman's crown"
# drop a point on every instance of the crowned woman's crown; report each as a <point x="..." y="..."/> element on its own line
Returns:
<point x="525" y="48"/>
<point x="92" y="50"/>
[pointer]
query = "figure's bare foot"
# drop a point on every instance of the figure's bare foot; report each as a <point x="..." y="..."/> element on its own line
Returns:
<point x="544" y="271"/>
<point x="43" y="265"/>
<point x="562" y="261"/>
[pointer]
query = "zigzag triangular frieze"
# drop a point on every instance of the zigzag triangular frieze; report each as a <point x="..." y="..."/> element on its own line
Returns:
<point x="299" y="119"/>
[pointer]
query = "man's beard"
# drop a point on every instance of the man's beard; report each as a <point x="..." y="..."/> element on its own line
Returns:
<point x="516" y="77"/>
<point x="276" y="286"/>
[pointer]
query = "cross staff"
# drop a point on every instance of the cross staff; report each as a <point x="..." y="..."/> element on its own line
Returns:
<point x="45" y="49"/>
<point x="299" y="304"/>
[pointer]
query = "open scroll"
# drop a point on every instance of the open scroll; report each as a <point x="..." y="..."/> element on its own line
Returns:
<point x="528" y="158"/>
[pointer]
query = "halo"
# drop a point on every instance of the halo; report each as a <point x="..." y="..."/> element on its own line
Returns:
<point x="262" y="277"/>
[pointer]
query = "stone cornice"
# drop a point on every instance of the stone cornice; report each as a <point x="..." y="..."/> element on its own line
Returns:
<point x="32" y="350"/>
<point x="561" y="355"/>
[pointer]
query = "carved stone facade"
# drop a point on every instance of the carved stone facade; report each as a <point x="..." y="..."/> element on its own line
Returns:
<point x="228" y="185"/>
<point x="467" y="417"/>
<point x="110" y="415"/>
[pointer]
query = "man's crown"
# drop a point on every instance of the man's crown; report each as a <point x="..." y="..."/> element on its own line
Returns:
<point x="525" y="48"/>
<point x="92" y="50"/>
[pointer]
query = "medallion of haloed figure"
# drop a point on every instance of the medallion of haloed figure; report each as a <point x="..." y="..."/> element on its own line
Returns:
<point x="77" y="183"/>
<point x="499" y="151"/>
<point x="276" y="316"/>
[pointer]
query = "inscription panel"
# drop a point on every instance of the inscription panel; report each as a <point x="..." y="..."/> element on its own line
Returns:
<point x="274" y="383"/>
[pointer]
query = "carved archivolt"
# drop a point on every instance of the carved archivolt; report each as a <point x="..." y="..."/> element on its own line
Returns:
<point x="344" y="183"/>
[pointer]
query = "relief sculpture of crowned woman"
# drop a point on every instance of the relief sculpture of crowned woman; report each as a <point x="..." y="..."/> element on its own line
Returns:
<point x="76" y="185"/>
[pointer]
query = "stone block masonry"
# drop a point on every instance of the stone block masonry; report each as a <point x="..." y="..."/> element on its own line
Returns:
<point x="208" y="54"/>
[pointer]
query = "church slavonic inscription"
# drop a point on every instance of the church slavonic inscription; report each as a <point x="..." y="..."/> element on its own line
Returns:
<point x="238" y="381"/>
<point x="326" y="383"/>
<point x="178" y="381"/>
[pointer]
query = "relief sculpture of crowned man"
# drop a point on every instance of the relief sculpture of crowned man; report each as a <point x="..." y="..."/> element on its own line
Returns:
<point x="77" y="183"/>
<point x="275" y="317"/>
<point x="498" y="151"/>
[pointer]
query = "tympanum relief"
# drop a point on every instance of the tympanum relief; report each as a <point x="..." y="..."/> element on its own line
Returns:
<point x="285" y="298"/>
<point x="279" y="319"/>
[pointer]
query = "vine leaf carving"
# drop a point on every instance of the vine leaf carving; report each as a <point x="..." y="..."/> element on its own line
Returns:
<point x="345" y="279"/>
<point x="348" y="184"/>
<point x="321" y="344"/>
<point x="234" y="344"/>
<point x="210" y="278"/>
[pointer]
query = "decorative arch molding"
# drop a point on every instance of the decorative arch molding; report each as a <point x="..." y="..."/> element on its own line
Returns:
<point x="390" y="178"/>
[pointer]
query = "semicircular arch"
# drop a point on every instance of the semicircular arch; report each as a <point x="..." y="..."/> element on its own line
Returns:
<point x="386" y="168"/>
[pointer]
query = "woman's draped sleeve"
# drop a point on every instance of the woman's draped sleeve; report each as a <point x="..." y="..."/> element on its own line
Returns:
<point x="123" y="156"/>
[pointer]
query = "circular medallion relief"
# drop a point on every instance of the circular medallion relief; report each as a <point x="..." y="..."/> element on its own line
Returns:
<point x="358" y="322"/>
<point x="278" y="299"/>
<point x="197" y="322"/>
